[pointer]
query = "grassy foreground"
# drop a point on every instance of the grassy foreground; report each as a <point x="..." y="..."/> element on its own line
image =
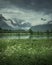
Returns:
<point x="25" y="52"/>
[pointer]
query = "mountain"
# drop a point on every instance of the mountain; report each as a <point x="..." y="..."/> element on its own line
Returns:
<point x="3" y="23"/>
<point x="21" y="23"/>
<point x="42" y="28"/>
<point x="13" y="24"/>
<point x="18" y="24"/>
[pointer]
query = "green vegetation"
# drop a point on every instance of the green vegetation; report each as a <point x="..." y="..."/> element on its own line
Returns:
<point x="26" y="52"/>
<point x="30" y="33"/>
<point x="34" y="34"/>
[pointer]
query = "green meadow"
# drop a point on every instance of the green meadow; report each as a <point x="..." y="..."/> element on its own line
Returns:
<point x="25" y="52"/>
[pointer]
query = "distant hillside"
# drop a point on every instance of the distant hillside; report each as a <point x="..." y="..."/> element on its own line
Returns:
<point x="42" y="28"/>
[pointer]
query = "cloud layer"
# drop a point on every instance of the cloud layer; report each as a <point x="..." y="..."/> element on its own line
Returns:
<point x="28" y="10"/>
<point x="37" y="5"/>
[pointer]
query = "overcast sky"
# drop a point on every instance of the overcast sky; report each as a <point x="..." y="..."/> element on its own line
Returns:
<point x="27" y="10"/>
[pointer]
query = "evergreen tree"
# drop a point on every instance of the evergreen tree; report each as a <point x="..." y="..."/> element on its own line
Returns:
<point x="48" y="33"/>
<point x="31" y="33"/>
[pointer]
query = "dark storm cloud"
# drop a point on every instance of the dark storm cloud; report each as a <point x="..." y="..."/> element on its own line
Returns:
<point x="1" y="4"/>
<point x="50" y="22"/>
<point x="37" y="5"/>
<point x="4" y="4"/>
<point x="43" y="19"/>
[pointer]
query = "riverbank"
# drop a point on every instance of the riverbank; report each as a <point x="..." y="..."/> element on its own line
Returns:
<point x="26" y="52"/>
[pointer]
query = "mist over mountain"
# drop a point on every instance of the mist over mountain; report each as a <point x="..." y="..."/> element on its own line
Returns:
<point x="19" y="24"/>
<point x="14" y="24"/>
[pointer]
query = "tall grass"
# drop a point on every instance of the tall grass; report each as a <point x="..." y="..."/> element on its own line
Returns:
<point x="25" y="52"/>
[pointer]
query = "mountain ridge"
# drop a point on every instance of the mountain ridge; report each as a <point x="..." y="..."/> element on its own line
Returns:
<point x="42" y="28"/>
<point x="13" y="24"/>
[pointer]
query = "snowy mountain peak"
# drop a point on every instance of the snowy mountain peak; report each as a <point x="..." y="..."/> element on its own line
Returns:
<point x="13" y="23"/>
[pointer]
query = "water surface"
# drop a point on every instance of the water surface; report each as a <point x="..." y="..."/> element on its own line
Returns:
<point x="25" y="37"/>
